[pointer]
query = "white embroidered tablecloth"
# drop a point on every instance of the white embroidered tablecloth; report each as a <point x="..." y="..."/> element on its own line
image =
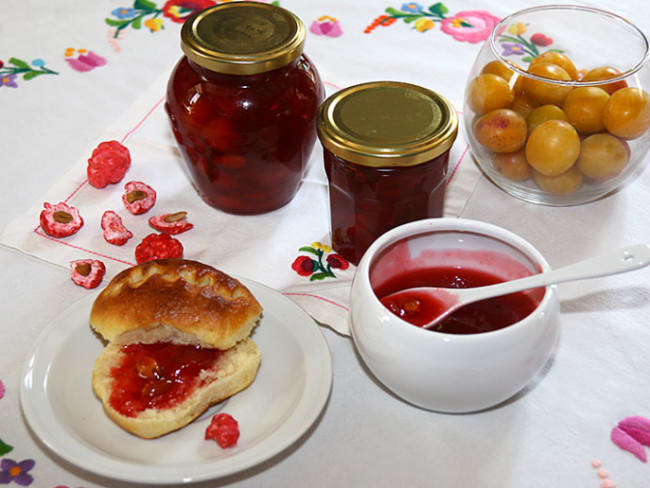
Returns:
<point x="95" y="72"/>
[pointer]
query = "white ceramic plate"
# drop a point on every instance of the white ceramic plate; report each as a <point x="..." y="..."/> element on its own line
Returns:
<point x="291" y="388"/>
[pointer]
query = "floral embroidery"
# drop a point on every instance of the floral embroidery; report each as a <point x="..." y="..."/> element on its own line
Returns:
<point x="541" y="39"/>
<point x="516" y="44"/>
<point x="631" y="434"/>
<point x="10" y="471"/>
<point x="315" y="268"/>
<point x="85" y="61"/>
<point x="125" y="17"/>
<point x="326" y="26"/>
<point x="146" y="12"/>
<point x="154" y="25"/>
<point x="517" y="29"/>
<point x="2" y="389"/>
<point x="180" y="10"/>
<point x="468" y="26"/>
<point x="8" y="74"/>
<point x="422" y="25"/>
<point x="5" y="448"/>
<point x="114" y="36"/>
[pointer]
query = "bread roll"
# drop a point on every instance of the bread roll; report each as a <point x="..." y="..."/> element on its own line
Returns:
<point x="184" y="303"/>
<point x="178" y="300"/>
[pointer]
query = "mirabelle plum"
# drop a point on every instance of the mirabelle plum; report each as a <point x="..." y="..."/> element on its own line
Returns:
<point x="488" y="92"/>
<point x="602" y="156"/>
<point x="523" y="105"/>
<point x="584" y="108"/>
<point x="500" y="69"/>
<point x="559" y="59"/>
<point x="512" y="165"/>
<point x="553" y="147"/>
<point x="627" y="113"/>
<point x="501" y="130"/>
<point x="605" y="73"/>
<point x="543" y="92"/>
<point x="563" y="184"/>
<point x="544" y="113"/>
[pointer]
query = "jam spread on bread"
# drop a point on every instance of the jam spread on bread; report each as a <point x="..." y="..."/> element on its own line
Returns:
<point x="159" y="375"/>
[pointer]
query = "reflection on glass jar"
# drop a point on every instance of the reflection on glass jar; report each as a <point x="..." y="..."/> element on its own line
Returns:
<point x="386" y="148"/>
<point x="242" y="104"/>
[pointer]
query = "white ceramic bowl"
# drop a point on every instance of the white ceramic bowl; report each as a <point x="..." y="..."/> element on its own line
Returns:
<point x="449" y="372"/>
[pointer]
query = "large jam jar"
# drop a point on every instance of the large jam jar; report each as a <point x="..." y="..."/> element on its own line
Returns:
<point x="242" y="104"/>
<point x="386" y="147"/>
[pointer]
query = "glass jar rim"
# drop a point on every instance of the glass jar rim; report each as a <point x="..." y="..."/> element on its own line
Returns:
<point x="575" y="83"/>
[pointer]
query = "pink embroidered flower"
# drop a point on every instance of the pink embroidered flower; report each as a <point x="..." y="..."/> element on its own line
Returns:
<point x="470" y="25"/>
<point x="86" y="61"/>
<point x="631" y="434"/>
<point x="303" y="265"/>
<point x="2" y="389"/>
<point x="326" y="26"/>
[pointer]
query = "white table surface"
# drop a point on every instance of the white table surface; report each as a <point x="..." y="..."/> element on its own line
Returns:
<point x="365" y="436"/>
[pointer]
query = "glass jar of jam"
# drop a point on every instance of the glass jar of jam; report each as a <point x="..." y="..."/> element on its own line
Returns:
<point x="243" y="103"/>
<point x="386" y="147"/>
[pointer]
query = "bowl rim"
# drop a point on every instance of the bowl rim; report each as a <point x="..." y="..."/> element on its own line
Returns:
<point x="452" y="224"/>
<point x="506" y="20"/>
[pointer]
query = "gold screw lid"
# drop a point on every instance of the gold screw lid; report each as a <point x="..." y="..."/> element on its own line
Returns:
<point x="387" y="123"/>
<point x="243" y="38"/>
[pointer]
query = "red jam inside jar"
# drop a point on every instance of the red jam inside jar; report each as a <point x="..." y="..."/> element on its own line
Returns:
<point x="158" y="375"/>
<point x="242" y="104"/>
<point x="365" y="202"/>
<point x="386" y="149"/>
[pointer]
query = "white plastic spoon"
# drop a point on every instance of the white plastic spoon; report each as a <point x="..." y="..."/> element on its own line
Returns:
<point x="448" y="300"/>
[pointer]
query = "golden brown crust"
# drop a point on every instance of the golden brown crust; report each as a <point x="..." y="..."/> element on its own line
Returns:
<point x="175" y="299"/>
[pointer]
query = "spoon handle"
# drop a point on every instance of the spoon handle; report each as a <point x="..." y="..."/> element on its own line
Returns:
<point x="613" y="262"/>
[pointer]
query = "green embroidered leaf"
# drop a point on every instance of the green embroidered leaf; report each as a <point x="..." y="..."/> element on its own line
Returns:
<point x="137" y="23"/>
<point x="439" y="9"/>
<point x="556" y="50"/>
<point x="318" y="276"/>
<point x="5" y="448"/>
<point x="465" y="23"/>
<point x="309" y="249"/>
<point x="276" y="3"/>
<point x="395" y="12"/>
<point x="527" y="59"/>
<point x="116" y="23"/>
<point x="31" y="74"/>
<point x="19" y="62"/>
<point x="410" y="19"/>
<point x="144" y="5"/>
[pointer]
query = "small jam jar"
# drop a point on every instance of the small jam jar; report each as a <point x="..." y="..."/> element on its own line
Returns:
<point x="243" y="103"/>
<point x="386" y="147"/>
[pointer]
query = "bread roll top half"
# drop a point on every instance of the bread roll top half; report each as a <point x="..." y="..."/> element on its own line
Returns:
<point x="175" y="300"/>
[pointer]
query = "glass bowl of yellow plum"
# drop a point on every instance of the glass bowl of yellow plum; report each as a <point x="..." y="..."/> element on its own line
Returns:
<point x="557" y="104"/>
